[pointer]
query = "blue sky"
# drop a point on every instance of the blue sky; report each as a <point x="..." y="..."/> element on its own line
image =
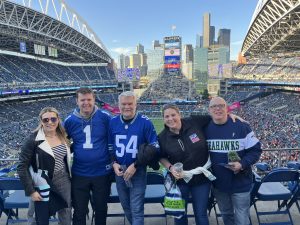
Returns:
<point x="122" y="24"/>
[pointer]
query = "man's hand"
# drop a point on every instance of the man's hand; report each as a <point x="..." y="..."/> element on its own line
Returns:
<point x="129" y="172"/>
<point x="118" y="170"/>
<point x="235" y="166"/>
<point x="36" y="197"/>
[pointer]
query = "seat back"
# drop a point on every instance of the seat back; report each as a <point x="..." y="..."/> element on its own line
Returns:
<point x="7" y="183"/>
<point x="281" y="175"/>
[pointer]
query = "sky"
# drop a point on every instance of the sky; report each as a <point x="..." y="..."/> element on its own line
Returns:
<point x="122" y="24"/>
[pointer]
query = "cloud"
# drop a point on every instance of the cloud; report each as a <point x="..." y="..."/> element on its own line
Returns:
<point x="115" y="41"/>
<point x="123" y="50"/>
<point x="237" y="42"/>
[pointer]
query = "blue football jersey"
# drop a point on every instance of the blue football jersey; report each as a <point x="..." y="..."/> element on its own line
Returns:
<point x="125" y="138"/>
<point x="90" y="143"/>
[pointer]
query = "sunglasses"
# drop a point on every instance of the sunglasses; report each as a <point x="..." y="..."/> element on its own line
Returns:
<point x="52" y="119"/>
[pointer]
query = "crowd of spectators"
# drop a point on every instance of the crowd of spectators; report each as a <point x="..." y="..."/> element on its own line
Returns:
<point x="281" y="69"/>
<point x="170" y="87"/>
<point x="275" y="120"/>
<point x="25" y="72"/>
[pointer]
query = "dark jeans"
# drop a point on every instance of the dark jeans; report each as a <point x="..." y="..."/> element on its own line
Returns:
<point x="132" y="198"/>
<point x="199" y="195"/>
<point x="41" y="212"/>
<point x="81" y="189"/>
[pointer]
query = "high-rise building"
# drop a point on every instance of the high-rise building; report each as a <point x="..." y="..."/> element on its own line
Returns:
<point x="126" y="61"/>
<point x="155" y="61"/>
<point x="143" y="59"/>
<point x="187" y="53"/>
<point x="139" y="49"/>
<point x="121" y="61"/>
<point x="135" y="61"/>
<point x="156" y="44"/>
<point x="212" y="31"/>
<point x="199" y="41"/>
<point x="200" y="68"/>
<point x="224" y="37"/>
<point x="206" y="30"/>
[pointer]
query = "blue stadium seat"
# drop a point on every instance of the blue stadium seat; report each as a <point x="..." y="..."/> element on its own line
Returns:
<point x="272" y="188"/>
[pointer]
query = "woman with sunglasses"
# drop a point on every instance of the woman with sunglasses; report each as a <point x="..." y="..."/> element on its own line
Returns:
<point x="44" y="169"/>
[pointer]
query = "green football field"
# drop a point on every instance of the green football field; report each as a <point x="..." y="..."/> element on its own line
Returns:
<point x="158" y="124"/>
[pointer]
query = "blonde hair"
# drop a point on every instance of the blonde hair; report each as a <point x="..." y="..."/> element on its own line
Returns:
<point x="60" y="130"/>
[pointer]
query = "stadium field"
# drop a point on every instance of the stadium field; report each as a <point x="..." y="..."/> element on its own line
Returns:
<point x="158" y="124"/>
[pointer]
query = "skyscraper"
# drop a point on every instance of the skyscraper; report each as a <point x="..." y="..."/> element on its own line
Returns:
<point x="187" y="53"/>
<point x="199" y="41"/>
<point x="156" y="44"/>
<point x="121" y="61"/>
<point x="139" y="49"/>
<point x="206" y="30"/>
<point x="224" y="37"/>
<point x="212" y="35"/>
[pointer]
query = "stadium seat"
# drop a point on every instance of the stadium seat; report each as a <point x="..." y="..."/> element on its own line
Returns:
<point x="273" y="187"/>
<point x="14" y="200"/>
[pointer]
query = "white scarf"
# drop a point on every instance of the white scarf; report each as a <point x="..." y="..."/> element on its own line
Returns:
<point x="188" y="174"/>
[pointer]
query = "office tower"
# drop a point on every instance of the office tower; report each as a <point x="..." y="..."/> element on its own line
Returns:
<point x="156" y="44"/>
<point x="206" y="30"/>
<point x="135" y="61"/>
<point x="155" y="60"/>
<point x="187" y="53"/>
<point x="199" y="41"/>
<point x="126" y="61"/>
<point x="121" y="61"/>
<point x="212" y="35"/>
<point x="139" y="49"/>
<point x="224" y="37"/>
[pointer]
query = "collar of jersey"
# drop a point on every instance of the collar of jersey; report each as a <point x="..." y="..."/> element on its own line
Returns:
<point x="134" y="118"/>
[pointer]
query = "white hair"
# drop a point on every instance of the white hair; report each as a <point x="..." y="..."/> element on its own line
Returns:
<point x="127" y="94"/>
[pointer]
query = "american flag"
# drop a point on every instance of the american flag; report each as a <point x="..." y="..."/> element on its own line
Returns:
<point x="194" y="138"/>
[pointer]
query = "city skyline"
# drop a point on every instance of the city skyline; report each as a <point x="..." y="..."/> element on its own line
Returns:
<point x="121" y="25"/>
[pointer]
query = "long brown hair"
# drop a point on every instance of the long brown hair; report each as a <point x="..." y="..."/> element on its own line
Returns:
<point x="60" y="130"/>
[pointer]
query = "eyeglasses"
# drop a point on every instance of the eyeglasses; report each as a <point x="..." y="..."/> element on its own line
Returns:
<point x="52" y="119"/>
<point x="219" y="106"/>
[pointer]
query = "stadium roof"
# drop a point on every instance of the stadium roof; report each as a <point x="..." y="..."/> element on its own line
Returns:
<point x="275" y="28"/>
<point x="19" y="23"/>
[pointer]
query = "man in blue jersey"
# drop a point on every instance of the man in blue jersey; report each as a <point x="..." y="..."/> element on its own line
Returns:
<point x="127" y="132"/>
<point x="88" y="127"/>
<point x="234" y="179"/>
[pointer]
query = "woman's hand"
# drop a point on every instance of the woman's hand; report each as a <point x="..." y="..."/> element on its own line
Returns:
<point x="36" y="197"/>
<point x="176" y="174"/>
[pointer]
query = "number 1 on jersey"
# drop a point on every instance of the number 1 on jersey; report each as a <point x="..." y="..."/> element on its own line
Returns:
<point x="88" y="138"/>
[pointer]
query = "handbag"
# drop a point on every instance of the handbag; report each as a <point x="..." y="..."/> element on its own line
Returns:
<point x="174" y="204"/>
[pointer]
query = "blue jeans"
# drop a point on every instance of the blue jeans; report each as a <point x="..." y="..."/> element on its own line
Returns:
<point x="234" y="207"/>
<point x="132" y="199"/>
<point x="200" y="195"/>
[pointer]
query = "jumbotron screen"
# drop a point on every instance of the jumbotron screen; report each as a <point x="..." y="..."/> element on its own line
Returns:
<point x="129" y="74"/>
<point x="220" y="70"/>
<point x="172" y="54"/>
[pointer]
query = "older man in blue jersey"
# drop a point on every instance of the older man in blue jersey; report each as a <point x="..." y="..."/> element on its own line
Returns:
<point x="127" y="132"/>
<point x="234" y="179"/>
<point x="88" y="126"/>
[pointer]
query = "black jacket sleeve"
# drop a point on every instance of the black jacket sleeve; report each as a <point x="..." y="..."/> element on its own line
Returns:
<point x="201" y="120"/>
<point x="26" y="156"/>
